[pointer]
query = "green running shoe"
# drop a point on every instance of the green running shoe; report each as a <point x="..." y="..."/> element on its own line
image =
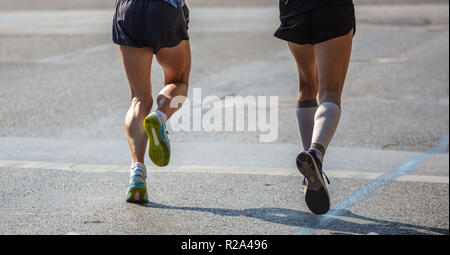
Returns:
<point x="137" y="191"/>
<point x="159" y="146"/>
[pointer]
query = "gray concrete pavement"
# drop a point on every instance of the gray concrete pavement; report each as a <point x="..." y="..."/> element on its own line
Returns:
<point x="63" y="156"/>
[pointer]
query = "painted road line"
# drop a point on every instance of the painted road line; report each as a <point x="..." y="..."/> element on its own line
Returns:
<point x="235" y="170"/>
<point x="408" y="166"/>
<point x="115" y="152"/>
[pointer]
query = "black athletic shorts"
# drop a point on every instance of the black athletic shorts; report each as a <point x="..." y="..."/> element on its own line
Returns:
<point x="317" y="25"/>
<point x="149" y="23"/>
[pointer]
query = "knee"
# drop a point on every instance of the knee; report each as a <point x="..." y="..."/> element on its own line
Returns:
<point x="142" y="105"/>
<point x="177" y="78"/>
<point x="174" y="88"/>
<point x="180" y="82"/>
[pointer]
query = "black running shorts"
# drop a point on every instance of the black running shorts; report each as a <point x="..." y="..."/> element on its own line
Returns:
<point x="317" y="25"/>
<point x="149" y="23"/>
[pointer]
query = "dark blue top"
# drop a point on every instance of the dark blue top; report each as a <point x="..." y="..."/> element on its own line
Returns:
<point x="176" y="3"/>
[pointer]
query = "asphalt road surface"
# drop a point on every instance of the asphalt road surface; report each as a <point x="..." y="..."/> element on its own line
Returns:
<point x="64" y="159"/>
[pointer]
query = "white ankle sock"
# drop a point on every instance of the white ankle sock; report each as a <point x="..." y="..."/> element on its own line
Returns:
<point x="138" y="169"/>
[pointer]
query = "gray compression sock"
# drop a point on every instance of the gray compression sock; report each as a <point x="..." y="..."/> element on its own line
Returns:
<point x="326" y="121"/>
<point x="306" y="110"/>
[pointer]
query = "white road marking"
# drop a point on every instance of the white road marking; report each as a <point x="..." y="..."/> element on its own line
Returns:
<point x="237" y="170"/>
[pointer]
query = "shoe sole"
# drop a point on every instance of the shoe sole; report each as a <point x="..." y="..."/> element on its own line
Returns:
<point x="137" y="195"/>
<point x="159" y="150"/>
<point x="317" y="196"/>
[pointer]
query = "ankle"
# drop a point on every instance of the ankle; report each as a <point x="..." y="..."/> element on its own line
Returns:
<point x="317" y="153"/>
<point x="138" y="167"/>
<point x="162" y="115"/>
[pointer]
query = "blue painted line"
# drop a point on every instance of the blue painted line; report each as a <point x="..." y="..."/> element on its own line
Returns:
<point x="408" y="166"/>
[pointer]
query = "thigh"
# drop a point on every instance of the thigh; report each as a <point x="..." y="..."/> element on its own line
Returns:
<point x="305" y="59"/>
<point x="175" y="62"/>
<point x="333" y="57"/>
<point x="137" y="64"/>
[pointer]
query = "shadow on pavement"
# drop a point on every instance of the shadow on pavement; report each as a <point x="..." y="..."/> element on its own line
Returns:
<point x="302" y="219"/>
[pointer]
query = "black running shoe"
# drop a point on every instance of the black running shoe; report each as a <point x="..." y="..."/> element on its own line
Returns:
<point x="317" y="196"/>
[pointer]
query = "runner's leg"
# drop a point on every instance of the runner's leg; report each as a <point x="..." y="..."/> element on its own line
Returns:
<point x="333" y="57"/>
<point x="304" y="56"/>
<point x="137" y="63"/>
<point x="176" y="64"/>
